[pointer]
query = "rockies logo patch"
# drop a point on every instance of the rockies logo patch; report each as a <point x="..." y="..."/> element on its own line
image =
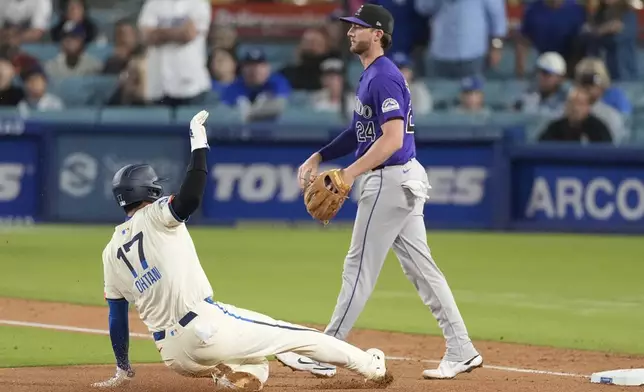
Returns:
<point x="390" y="104"/>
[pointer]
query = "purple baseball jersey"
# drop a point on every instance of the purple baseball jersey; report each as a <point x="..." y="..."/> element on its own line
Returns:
<point x="382" y="95"/>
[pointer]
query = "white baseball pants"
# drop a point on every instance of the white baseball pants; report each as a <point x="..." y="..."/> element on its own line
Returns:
<point x="242" y="339"/>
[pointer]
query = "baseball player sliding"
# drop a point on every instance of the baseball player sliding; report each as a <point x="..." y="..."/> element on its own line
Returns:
<point x="151" y="261"/>
<point x="390" y="209"/>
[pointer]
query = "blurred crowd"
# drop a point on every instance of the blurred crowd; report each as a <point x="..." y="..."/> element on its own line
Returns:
<point x="171" y="54"/>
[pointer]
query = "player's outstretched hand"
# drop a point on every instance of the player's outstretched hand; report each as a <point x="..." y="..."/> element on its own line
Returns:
<point x="198" y="135"/>
<point x="309" y="170"/>
<point x="122" y="377"/>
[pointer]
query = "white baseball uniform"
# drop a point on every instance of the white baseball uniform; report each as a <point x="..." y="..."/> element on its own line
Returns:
<point x="151" y="261"/>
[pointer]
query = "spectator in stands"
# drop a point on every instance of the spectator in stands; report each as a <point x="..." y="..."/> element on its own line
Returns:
<point x="31" y="17"/>
<point x="175" y="32"/>
<point x="602" y="86"/>
<point x="10" y="48"/>
<point x="223" y="69"/>
<point x="10" y="94"/>
<point x="465" y="35"/>
<point x="126" y="44"/>
<point x="592" y="75"/>
<point x="412" y="28"/>
<point x="421" y="99"/>
<point x="258" y="93"/>
<point x="329" y="98"/>
<point x="74" y="12"/>
<point x="551" y="92"/>
<point x="36" y="96"/>
<point x="131" y="88"/>
<point x="472" y="98"/>
<point x="550" y="26"/>
<point x="578" y="123"/>
<point x="305" y="73"/>
<point x="613" y="30"/>
<point x="223" y="37"/>
<point x="73" y="60"/>
<point x="336" y="31"/>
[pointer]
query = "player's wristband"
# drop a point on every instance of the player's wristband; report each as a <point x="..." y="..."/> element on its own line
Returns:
<point x="198" y="160"/>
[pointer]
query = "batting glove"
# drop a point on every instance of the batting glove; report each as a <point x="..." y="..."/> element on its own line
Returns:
<point x="121" y="377"/>
<point x="198" y="136"/>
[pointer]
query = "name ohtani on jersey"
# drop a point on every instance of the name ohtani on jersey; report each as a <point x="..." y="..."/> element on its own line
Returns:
<point x="148" y="279"/>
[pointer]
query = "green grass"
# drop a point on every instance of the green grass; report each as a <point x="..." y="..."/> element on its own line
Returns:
<point x="39" y="347"/>
<point x="556" y="290"/>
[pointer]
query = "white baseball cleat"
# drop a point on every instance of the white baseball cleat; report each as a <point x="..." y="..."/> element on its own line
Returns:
<point x="378" y="370"/>
<point x="299" y="362"/>
<point x="448" y="369"/>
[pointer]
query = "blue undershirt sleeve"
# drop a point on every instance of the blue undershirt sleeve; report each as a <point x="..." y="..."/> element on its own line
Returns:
<point x="119" y="331"/>
<point x="343" y="144"/>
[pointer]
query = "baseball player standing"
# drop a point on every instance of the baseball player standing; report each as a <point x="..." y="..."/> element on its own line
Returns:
<point x="151" y="261"/>
<point x="390" y="209"/>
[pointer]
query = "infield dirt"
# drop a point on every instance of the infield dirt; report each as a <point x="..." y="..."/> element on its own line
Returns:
<point x="407" y="374"/>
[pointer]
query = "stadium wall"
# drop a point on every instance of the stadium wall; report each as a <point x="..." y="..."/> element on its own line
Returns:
<point x="482" y="178"/>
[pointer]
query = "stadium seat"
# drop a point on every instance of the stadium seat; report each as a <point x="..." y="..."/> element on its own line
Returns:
<point x="635" y="93"/>
<point x="220" y="114"/>
<point x="638" y="137"/>
<point x="504" y="70"/>
<point x="501" y="94"/>
<point x="354" y="71"/>
<point x="85" y="115"/>
<point x="136" y="115"/>
<point x="276" y="53"/>
<point x="84" y="90"/>
<point x="102" y="88"/>
<point x="640" y="60"/>
<point x="638" y="128"/>
<point x="42" y="51"/>
<point x="443" y="89"/>
<point x="72" y="90"/>
<point x="303" y="116"/>
<point x="449" y="119"/>
<point x="99" y="51"/>
<point x="212" y="98"/>
<point x="300" y="98"/>
<point x="511" y="119"/>
<point x="8" y="112"/>
<point x="513" y="88"/>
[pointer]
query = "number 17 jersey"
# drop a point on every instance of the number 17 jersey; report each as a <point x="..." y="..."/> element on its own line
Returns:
<point x="152" y="262"/>
<point x="383" y="94"/>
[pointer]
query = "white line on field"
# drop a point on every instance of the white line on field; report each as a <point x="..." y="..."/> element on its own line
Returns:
<point x="146" y="336"/>
<point x="503" y="368"/>
<point x="67" y="328"/>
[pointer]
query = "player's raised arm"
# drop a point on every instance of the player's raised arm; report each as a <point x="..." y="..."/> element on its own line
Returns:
<point x="192" y="189"/>
<point x="388" y="97"/>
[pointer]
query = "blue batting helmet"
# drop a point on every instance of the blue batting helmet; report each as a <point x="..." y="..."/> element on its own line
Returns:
<point x="136" y="183"/>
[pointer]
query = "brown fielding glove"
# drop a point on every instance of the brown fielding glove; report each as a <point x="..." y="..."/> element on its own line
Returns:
<point x="325" y="195"/>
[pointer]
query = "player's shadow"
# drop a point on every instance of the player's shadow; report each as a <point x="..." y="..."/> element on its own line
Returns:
<point x="357" y="384"/>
